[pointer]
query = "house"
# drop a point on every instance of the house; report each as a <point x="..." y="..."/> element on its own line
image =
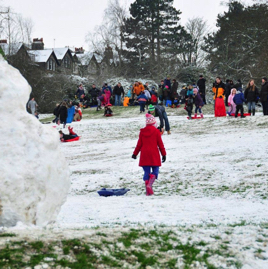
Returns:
<point x="76" y="62"/>
<point x="45" y="59"/>
<point x="92" y="64"/>
<point x="65" y="59"/>
<point x="15" y="51"/>
<point x="89" y="64"/>
<point x="107" y="65"/>
<point x="56" y="59"/>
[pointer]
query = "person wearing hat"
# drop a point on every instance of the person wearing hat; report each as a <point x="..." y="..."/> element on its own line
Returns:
<point x="149" y="144"/>
<point x="264" y="96"/>
<point x="159" y="111"/>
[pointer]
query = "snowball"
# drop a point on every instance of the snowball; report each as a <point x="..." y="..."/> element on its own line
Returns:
<point x="34" y="177"/>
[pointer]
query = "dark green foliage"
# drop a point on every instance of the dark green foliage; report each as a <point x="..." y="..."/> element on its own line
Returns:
<point x="145" y="261"/>
<point x="238" y="48"/>
<point x="7" y="235"/>
<point x="127" y="238"/>
<point x="2" y="52"/>
<point x="38" y="245"/>
<point x="154" y="36"/>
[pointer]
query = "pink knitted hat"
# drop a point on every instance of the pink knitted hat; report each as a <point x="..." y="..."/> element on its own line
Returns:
<point x="150" y="119"/>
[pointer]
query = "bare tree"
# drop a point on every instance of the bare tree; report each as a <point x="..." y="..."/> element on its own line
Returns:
<point x="4" y="11"/>
<point x="15" y="28"/>
<point x="25" y="28"/>
<point x="110" y="32"/>
<point x="197" y="28"/>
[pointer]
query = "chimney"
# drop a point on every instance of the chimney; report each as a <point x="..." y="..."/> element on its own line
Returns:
<point x="38" y="44"/>
<point x="79" y="50"/>
<point x="3" y="41"/>
<point x="108" y="53"/>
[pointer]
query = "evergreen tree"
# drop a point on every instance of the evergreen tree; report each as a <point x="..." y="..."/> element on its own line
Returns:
<point x="152" y="33"/>
<point x="239" y="45"/>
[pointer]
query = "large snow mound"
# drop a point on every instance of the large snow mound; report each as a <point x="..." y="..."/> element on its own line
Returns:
<point x="34" y="177"/>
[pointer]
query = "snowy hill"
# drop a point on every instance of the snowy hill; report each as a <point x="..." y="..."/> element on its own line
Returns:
<point x="211" y="193"/>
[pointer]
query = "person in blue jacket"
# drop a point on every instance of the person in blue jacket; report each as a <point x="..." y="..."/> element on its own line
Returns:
<point x="239" y="99"/>
<point x="142" y="99"/>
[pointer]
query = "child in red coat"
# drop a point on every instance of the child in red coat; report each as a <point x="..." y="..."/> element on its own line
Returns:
<point x="149" y="144"/>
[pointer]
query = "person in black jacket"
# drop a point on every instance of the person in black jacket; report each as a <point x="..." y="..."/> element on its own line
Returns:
<point x="174" y="89"/>
<point x="93" y="95"/>
<point x="264" y="96"/>
<point x="201" y="83"/>
<point x="80" y="91"/>
<point x="227" y="90"/>
<point x="64" y="137"/>
<point x="117" y="92"/>
<point x="63" y="114"/>
<point x="238" y="85"/>
<point x="56" y="112"/>
<point x="159" y="111"/>
<point x="252" y="96"/>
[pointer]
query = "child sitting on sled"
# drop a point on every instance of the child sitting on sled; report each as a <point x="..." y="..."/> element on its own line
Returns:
<point x="176" y="102"/>
<point x="149" y="144"/>
<point x="108" y="111"/>
<point x="64" y="137"/>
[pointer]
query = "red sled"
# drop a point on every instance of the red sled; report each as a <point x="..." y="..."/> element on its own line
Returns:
<point x="108" y="115"/>
<point x="73" y="139"/>
<point x="245" y="114"/>
<point x="196" y="118"/>
<point x="220" y="110"/>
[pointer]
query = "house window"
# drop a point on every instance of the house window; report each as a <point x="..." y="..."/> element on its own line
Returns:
<point x="51" y="65"/>
<point x="67" y="62"/>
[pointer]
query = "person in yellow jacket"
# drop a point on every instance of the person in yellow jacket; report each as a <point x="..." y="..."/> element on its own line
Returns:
<point x="138" y="88"/>
<point x="218" y="88"/>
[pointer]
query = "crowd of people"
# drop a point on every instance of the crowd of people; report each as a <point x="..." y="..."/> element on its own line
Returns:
<point x="154" y="100"/>
<point x="167" y="93"/>
<point x="235" y="96"/>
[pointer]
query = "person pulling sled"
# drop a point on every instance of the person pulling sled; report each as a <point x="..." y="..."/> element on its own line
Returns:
<point x="149" y="144"/>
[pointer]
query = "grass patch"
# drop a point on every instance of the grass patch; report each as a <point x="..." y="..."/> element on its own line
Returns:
<point x="128" y="238"/>
<point x="7" y="235"/>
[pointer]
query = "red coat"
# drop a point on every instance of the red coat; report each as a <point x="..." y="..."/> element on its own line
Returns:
<point x="149" y="144"/>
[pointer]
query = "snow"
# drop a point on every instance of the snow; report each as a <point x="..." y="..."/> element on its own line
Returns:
<point x="34" y="180"/>
<point x="214" y="183"/>
<point x="60" y="52"/>
<point x="214" y="172"/>
<point x="86" y="57"/>
<point x="41" y="56"/>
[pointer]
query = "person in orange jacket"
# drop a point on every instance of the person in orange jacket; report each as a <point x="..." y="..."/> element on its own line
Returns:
<point x="218" y="88"/>
<point x="138" y="88"/>
<point x="219" y="95"/>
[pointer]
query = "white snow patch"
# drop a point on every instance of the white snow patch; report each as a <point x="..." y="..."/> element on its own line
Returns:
<point x="34" y="179"/>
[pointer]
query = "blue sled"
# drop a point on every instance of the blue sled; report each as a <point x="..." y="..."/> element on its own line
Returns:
<point x="112" y="192"/>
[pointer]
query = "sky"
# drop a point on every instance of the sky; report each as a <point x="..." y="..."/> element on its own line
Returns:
<point x="66" y="22"/>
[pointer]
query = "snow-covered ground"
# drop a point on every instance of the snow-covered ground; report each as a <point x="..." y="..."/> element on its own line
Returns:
<point x="214" y="179"/>
<point x="216" y="172"/>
